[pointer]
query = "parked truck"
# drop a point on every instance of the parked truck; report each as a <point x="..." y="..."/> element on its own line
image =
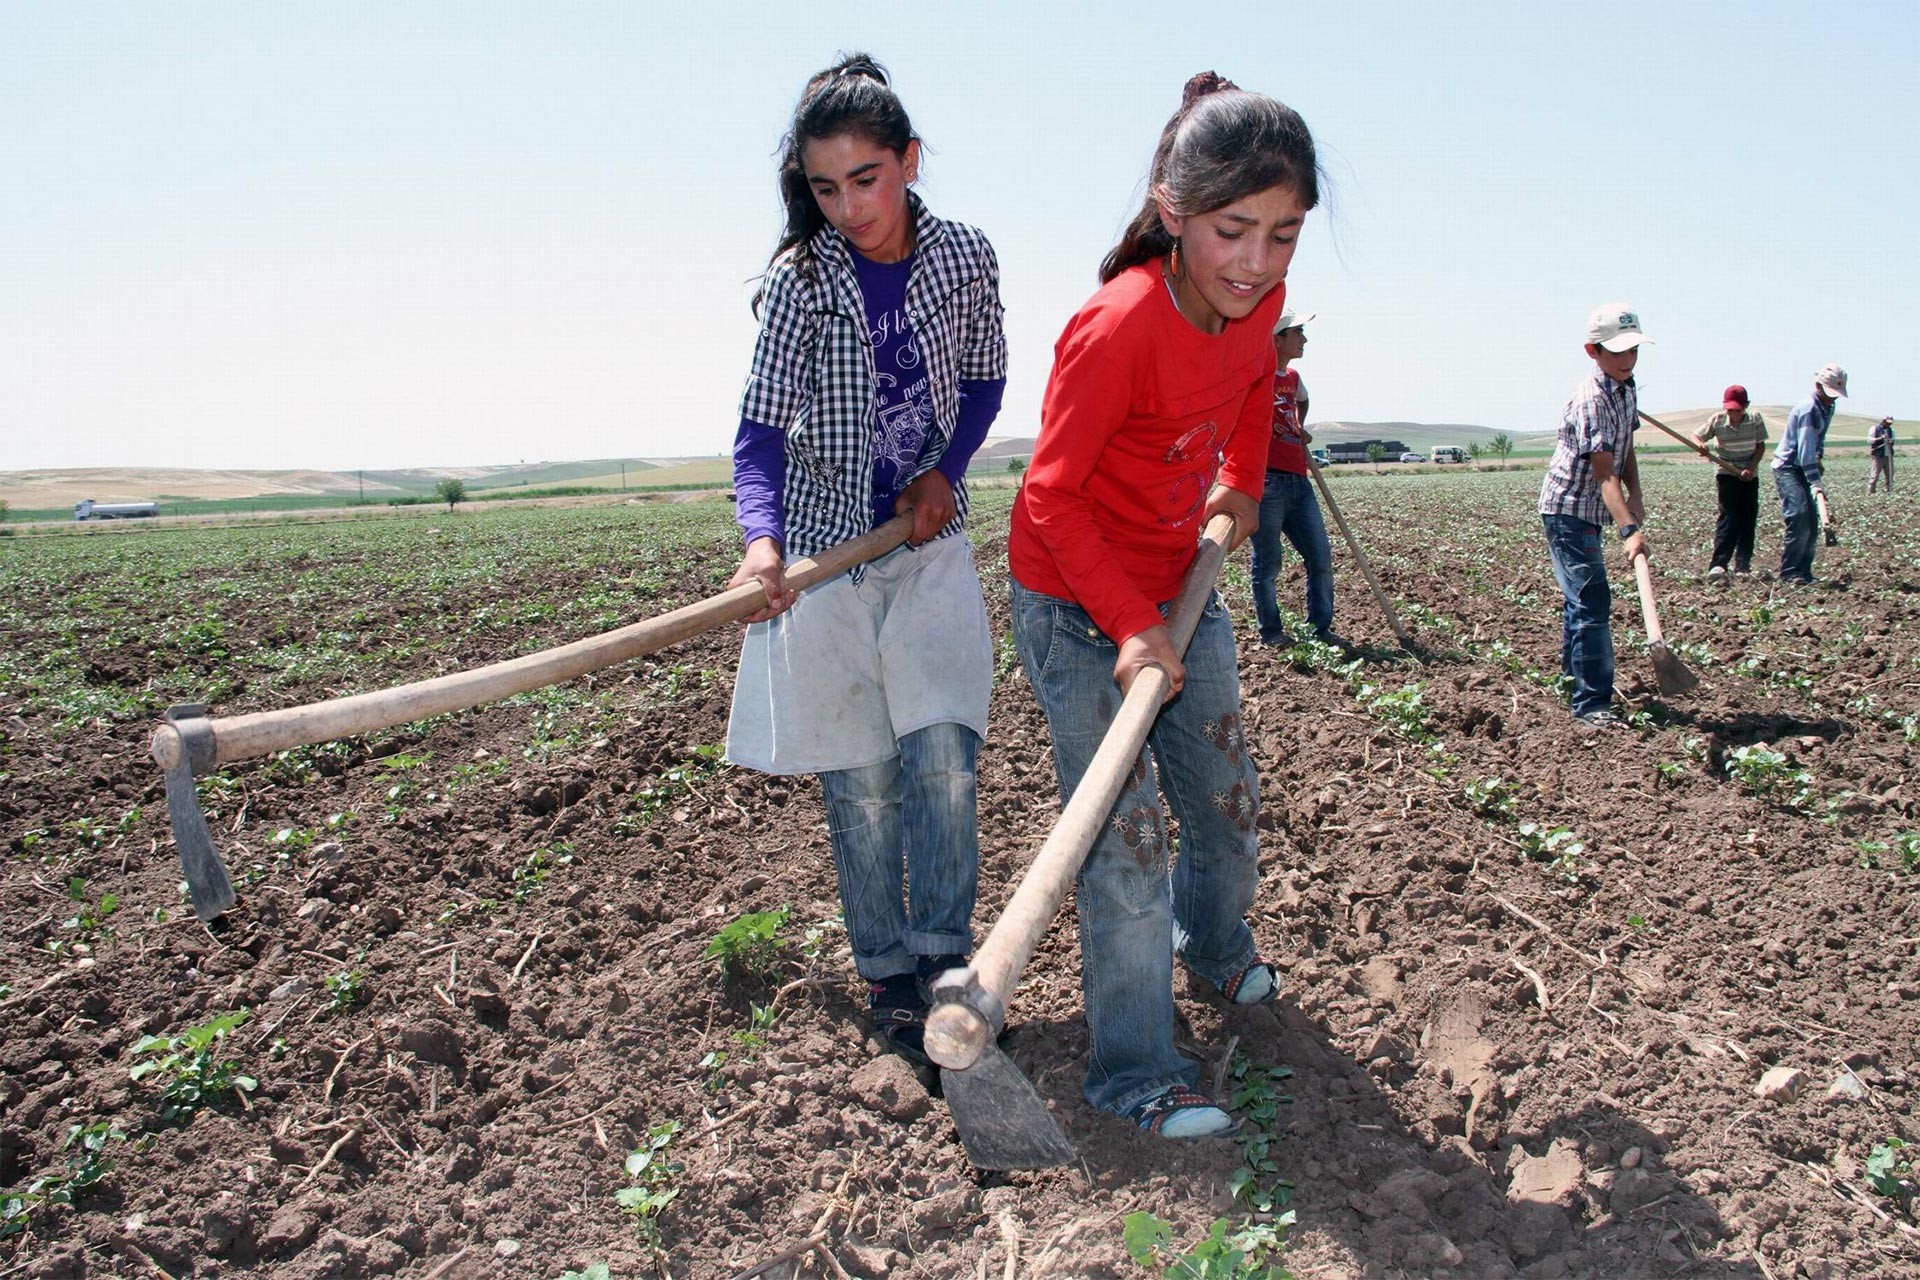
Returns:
<point x="91" y="510"/>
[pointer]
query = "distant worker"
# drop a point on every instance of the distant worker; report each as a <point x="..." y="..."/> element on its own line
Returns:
<point x="1288" y="504"/>
<point x="1880" y="450"/>
<point x="1742" y="441"/>
<point x="1797" y="475"/>
<point x="1593" y="480"/>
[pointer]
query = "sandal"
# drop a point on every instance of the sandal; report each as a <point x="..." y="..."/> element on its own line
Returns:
<point x="900" y="1018"/>
<point x="1180" y="1112"/>
<point x="1258" y="983"/>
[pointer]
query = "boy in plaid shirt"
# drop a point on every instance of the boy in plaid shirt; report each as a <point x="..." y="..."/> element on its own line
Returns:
<point x="1594" y="480"/>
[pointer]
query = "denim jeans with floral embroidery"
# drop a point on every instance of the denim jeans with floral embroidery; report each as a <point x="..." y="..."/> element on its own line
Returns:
<point x="1133" y="917"/>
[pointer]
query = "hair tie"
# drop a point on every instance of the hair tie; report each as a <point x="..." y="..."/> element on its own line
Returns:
<point x="1203" y="84"/>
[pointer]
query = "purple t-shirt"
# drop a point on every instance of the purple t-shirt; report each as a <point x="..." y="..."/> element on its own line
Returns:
<point x="902" y="400"/>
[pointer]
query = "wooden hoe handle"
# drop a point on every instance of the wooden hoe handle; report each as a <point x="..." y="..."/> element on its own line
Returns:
<point x="1360" y="558"/>
<point x="260" y="733"/>
<point x="956" y="1032"/>
<point x="1643" y="575"/>
<point x="1694" y="445"/>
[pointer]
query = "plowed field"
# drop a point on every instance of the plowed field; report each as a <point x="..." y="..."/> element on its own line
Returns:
<point x="1534" y="974"/>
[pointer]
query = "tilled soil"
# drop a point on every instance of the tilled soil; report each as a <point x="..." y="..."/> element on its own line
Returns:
<point x="1502" y="1063"/>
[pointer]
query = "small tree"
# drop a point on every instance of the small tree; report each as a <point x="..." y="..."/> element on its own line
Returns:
<point x="1016" y="464"/>
<point x="1376" y="452"/>
<point x="4" y="511"/>
<point x="1476" y="450"/>
<point x="450" y="491"/>
<point x="1500" y="446"/>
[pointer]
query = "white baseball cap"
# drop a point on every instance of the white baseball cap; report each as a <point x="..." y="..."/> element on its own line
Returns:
<point x="1615" y="326"/>
<point x="1288" y="320"/>
<point x="1832" y="379"/>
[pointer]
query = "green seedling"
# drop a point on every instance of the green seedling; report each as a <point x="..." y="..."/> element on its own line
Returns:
<point x="1637" y="923"/>
<point x="1891" y="1172"/>
<point x="750" y="947"/>
<point x="819" y="936"/>
<point x="1766" y="773"/>
<point x="653" y="1176"/>
<point x="89" y="920"/>
<point x="1670" y="771"/>
<point x="531" y="874"/>
<point x="345" y="990"/>
<point x="594" y="1271"/>
<point x="1243" y="1255"/>
<point x="1492" y="798"/>
<point x="87" y="1167"/>
<point x="1404" y="710"/>
<point x="191" y="1073"/>
<point x="1558" y="847"/>
<point x="1902" y="853"/>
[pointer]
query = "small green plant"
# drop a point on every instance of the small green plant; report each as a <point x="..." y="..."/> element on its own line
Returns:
<point x="594" y="1271"/>
<point x="653" y="1176"/>
<point x="345" y="989"/>
<point x="1902" y="852"/>
<point x="819" y="935"/>
<point x="89" y="920"/>
<point x="1637" y="922"/>
<point x="188" y="1066"/>
<point x="1257" y="1183"/>
<point x="1404" y="710"/>
<point x="1766" y="773"/>
<point x="1670" y="771"/>
<point x="1891" y="1173"/>
<point x="1243" y="1255"/>
<point x="87" y="1166"/>
<point x="1492" y="798"/>
<point x="1558" y="847"/>
<point x="531" y="874"/>
<point x="750" y="947"/>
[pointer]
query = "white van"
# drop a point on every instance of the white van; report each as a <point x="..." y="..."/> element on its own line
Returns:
<point x="1449" y="453"/>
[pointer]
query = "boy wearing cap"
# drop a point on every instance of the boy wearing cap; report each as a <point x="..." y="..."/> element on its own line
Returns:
<point x="1796" y="471"/>
<point x="1594" y="480"/>
<point x="1880" y="450"/>
<point x="1288" y="504"/>
<point x="1742" y="441"/>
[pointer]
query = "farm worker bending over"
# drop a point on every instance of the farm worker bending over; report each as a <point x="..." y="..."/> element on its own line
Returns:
<point x="1742" y="437"/>
<point x="1156" y="417"/>
<point x="1880" y="449"/>
<point x="1796" y="471"/>
<point x="879" y="367"/>
<point x="1288" y="504"/>
<point x="1594" y="480"/>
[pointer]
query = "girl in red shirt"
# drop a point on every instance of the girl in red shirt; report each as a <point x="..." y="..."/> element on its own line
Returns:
<point x="1155" y="419"/>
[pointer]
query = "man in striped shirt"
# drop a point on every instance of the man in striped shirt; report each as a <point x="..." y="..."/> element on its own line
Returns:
<point x="1741" y="437"/>
<point x="1593" y="480"/>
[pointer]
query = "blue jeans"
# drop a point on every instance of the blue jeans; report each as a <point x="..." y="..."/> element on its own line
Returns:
<point x="1803" y="523"/>
<point x="1586" y="622"/>
<point x="914" y="817"/>
<point x="1132" y="917"/>
<point x="1288" y="506"/>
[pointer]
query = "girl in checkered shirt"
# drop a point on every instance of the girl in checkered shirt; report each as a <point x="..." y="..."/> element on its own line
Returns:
<point x="1156" y="418"/>
<point x="879" y="368"/>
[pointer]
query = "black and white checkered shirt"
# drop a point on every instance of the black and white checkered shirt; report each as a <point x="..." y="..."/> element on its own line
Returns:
<point x="813" y="371"/>
<point x="1599" y="416"/>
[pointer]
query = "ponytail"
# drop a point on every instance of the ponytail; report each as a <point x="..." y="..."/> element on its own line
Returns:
<point x="852" y="96"/>
<point x="1222" y="145"/>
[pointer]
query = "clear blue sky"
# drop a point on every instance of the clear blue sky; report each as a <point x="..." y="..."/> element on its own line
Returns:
<point x="371" y="234"/>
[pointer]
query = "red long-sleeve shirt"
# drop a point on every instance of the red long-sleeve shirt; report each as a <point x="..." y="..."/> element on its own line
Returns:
<point x="1143" y="413"/>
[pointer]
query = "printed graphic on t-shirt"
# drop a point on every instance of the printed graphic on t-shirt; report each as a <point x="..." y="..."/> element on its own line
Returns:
<point x="1286" y="416"/>
<point x="903" y="410"/>
<point x="1197" y="455"/>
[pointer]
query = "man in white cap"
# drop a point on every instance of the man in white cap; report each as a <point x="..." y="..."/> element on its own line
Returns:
<point x="1594" y="480"/>
<point x="1796" y="471"/>
<point x="1288" y="505"/>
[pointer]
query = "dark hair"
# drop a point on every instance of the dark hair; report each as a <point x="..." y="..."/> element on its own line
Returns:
<point x="1222" y="145"/>
<point x="851" y="96"/>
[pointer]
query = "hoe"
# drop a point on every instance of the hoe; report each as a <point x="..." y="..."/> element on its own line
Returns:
<point x="190" y="744"/>
<point x="1002" y="1121"/>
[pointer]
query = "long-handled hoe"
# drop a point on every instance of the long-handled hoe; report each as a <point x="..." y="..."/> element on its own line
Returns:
<point x="1673" y="675"/>
<point x="1002" y="1122"/>
<point x="1360" y="558"/>
<point x="191" y="744"/>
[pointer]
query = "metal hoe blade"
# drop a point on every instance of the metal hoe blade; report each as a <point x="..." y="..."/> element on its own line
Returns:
<point x="1003" y="1123"/>
<point x="1673" y="675"/>
<point x="207" y="881"/>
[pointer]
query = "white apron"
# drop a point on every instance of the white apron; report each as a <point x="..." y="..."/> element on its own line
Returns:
<point x="836" y="681"/>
